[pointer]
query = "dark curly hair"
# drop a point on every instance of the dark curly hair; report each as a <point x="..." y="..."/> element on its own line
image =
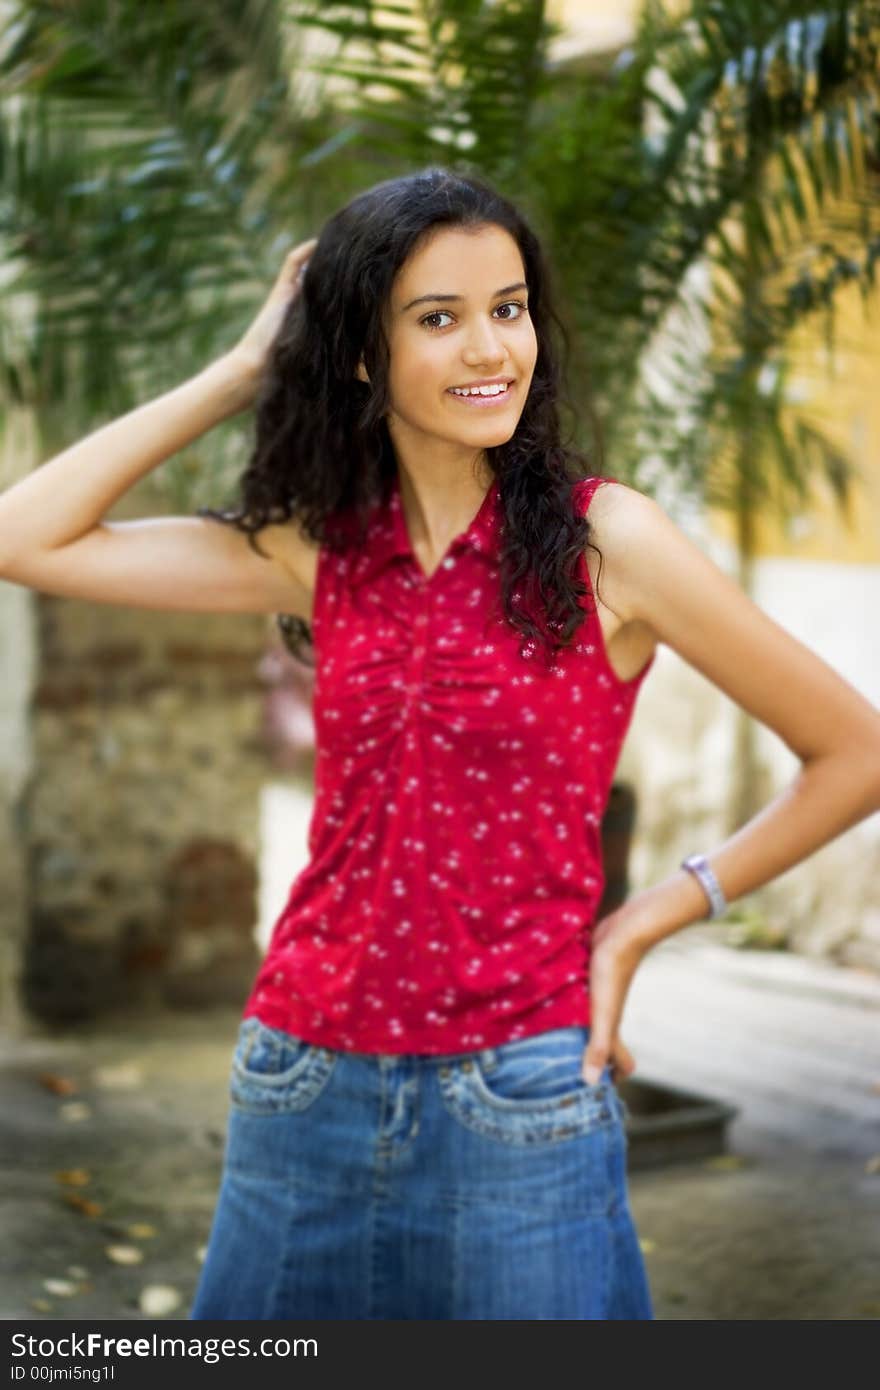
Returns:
<point x="322" y="448"/>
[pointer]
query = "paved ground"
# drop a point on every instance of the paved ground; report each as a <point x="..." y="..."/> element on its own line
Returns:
<point x="787" y="1225"/>
<point x="794" y="1231"/>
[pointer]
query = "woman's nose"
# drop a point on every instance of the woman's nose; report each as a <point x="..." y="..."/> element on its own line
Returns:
<point x="485" y="344"/>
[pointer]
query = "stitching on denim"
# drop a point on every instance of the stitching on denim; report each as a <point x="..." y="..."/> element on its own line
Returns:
<point x="540" y="1067"/>
<point x="539" y="1104"/>
<point x="313" y="1080"/>
<point x="457" y="1215"/>
<point x="371" y="1253"/>
<point x="554" y="1126"/>
<point x="276" y="1310"/>
<point x="246" y="1042"/>
<point x="491" y="1057"/>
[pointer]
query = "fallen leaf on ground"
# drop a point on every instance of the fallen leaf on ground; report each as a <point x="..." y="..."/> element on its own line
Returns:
<point x="81" y="1204"/>
<point x="73" y="1177"/>
<point x="77" y="1272"/>
<point x="140" y="1230"/>
<point x="42" y="1305"/>
<point x="646" y="1245"/>
<point x="124" y="1254"/>
<point x="58" y="1085"/>
<point x="74" y="1110"/>
<point x="873" y="1164"/>
<point x="61" y="1288"/>
<point x="158" y="1300"/>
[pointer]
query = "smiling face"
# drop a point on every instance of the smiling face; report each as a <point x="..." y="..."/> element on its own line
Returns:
<point x="458" y="316"/>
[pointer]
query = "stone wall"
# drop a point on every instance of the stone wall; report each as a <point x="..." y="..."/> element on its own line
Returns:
<point x="133" y="748"/>
<point x="141" y="818"/>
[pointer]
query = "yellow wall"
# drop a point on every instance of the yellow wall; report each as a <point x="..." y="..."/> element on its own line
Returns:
<point x="845" y="405"/>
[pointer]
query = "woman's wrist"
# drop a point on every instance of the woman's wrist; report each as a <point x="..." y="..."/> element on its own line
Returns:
<point x="237" y="378"/>
<point x="656" y="912"/>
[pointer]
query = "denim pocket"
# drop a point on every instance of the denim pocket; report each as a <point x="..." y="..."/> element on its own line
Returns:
<point x="275" y="1071"/>
<point x="545" y="1066"/>
<point x="529" y="1091"/>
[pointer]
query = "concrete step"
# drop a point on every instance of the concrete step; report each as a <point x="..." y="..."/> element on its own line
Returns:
<point x="761" y="1031"/>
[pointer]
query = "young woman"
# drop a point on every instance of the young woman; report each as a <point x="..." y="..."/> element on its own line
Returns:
<point x="424" y="1117"/>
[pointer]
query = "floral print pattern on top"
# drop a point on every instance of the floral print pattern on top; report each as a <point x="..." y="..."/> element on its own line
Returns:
<point x="455" y="864"/>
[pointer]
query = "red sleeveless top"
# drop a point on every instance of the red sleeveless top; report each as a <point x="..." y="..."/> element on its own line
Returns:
<point x="455" y="862"/>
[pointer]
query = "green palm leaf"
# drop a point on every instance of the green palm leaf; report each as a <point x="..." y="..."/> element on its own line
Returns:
<point x="156" y="161"/>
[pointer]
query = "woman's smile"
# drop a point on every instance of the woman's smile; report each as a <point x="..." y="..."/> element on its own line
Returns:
<point x="482" y="395"/>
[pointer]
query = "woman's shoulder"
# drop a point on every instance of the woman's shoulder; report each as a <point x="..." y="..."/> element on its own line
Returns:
<point x="604" y="487"/>
<point x="621" y="518"/>
<point x="616" y="509"/>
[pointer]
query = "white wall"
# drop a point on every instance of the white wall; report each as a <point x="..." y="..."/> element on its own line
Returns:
<point x="679" y="756"/>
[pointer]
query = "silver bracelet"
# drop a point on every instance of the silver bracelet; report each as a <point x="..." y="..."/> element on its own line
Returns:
<point x="698" y="865"/>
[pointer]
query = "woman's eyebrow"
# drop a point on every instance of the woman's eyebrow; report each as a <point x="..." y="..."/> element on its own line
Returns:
<point x="451" y="298"/>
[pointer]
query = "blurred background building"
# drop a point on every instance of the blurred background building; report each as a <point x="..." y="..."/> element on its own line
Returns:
<point x="155" y="769"/>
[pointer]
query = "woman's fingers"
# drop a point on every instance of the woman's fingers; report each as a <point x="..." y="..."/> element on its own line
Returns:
<point x="290" y="275"/>
<point x="256" y="343"/>
<point x="600" y="1053"/>
<point x="295" y="261"/>
<point x="304" y="249"/>
<point x="623" y="1062"/>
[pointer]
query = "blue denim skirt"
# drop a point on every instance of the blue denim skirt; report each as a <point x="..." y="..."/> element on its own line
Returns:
<point x="470" y="1185"/>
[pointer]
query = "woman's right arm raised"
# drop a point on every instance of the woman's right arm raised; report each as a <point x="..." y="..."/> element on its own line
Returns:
<point x="53" y="537"/>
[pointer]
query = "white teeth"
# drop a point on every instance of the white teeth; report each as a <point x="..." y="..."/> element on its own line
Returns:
<point x="496" y="390"/>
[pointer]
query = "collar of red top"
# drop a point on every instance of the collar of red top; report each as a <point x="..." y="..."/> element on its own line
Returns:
<point x="388" y="537"/>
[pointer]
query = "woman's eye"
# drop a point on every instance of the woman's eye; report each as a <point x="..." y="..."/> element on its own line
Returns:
<point x="515" y="304"/>
<point x="444" y="314"/>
